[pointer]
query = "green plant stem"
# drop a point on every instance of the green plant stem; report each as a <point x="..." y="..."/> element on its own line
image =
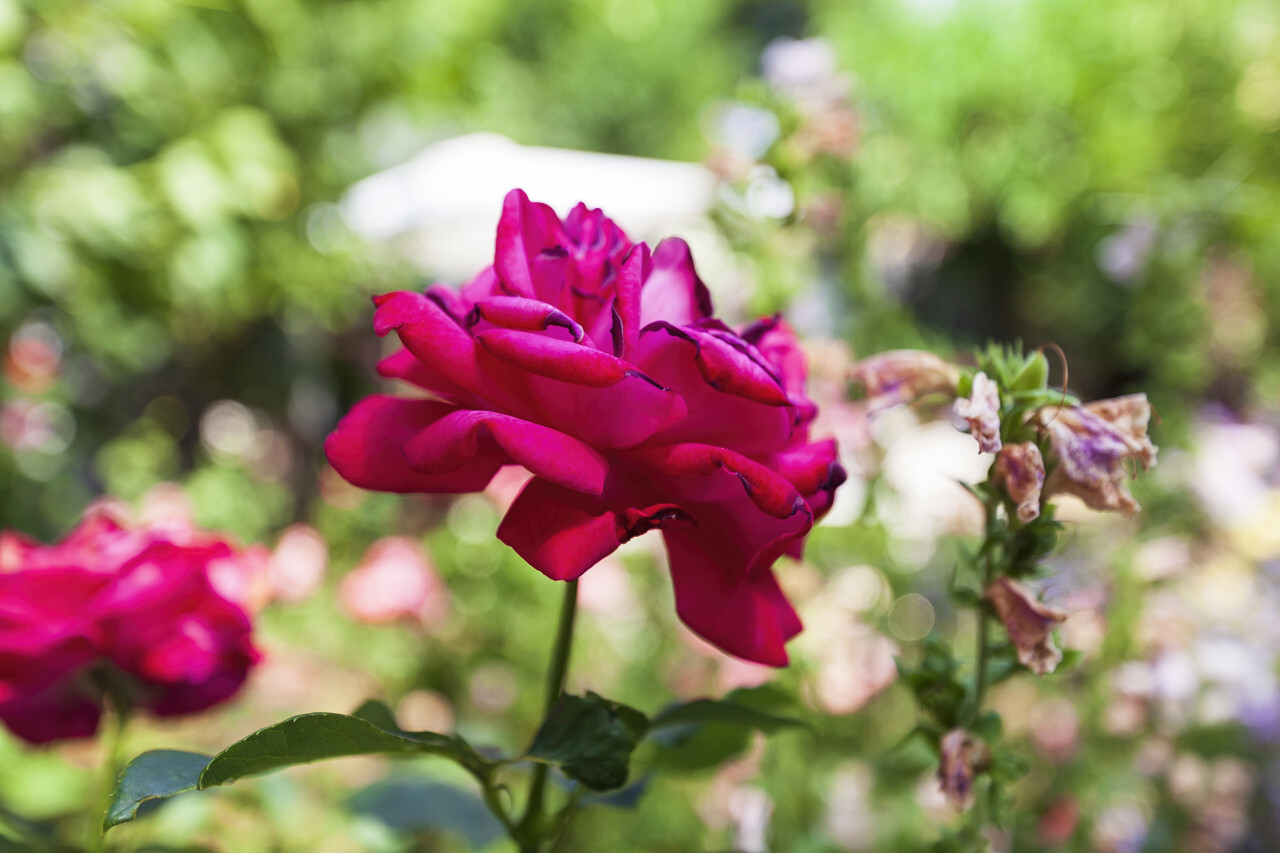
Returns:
<point x="529" y="831"/>
<point x="113" y="723"/>
<point x="984" y="615"/>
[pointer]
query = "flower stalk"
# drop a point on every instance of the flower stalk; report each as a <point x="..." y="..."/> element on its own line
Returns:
<point x="529" y="833"/>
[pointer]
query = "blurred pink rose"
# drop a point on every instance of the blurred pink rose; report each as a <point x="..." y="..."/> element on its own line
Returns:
<point x="130" y="613"/>
<point x="597" y="365"/>
<point x="395" y="580"/>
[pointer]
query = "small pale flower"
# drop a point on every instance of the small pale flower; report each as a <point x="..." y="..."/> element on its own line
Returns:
<point x="1029" y="623"/>
<point x="982" y="411"/>
<point x="900" y="376"/>
<point x="963" y="757"/>
<point x="1020" y="469"/>
<point x="1093" y="443"/>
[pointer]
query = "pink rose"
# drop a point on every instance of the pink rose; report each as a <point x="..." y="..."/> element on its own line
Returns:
<point x="108" y="610"/>
<point x="597" y="365"/>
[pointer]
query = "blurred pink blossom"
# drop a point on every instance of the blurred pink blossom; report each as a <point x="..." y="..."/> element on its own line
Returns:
<point x="297" y="566"/>
<point x="394" y="580"/>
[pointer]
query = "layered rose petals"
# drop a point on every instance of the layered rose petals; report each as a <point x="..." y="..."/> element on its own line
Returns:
<point x="131" y="614"/>
<point x="598" y="366"/>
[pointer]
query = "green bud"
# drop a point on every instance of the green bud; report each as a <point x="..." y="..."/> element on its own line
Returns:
<point x="1035" y="374"/>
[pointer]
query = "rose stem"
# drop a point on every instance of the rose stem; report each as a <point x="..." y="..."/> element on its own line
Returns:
<point x="530" y="823"/>
<point x="115" y="718"/>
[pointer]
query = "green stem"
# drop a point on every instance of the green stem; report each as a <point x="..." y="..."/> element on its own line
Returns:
<point x="984" y="616"/>
<point x="529" y="831"/>
<point x="114" y="721"/>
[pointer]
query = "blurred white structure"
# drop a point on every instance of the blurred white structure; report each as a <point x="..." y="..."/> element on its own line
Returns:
<point x="441" y="207"/>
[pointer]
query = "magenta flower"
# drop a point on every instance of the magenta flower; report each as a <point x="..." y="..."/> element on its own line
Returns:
<point x="133" y="613"/>
<point x="597" y="365"/>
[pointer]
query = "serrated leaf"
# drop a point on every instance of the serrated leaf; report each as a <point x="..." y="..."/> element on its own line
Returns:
<point x="417" y="805"/>
<point x="159" y="774"/>
<point x="308" y="738"/>
<point x="590" y="739"/>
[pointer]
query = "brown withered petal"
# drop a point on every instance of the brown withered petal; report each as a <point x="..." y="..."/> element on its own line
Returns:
<point x="963" y="757"/>
<point x="982" y="411"/>
<point x="1093" y="443"/>
<point x="1029" y="623"/>
<point x="900" y="376"/>
<point x="1020" y="469"/>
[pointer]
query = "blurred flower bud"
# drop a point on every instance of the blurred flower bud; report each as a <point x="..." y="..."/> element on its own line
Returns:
<point x="298" y="563"/>
<point x="982" y="411"/>
<point x="1092" y="444"/>
<point x="900" y="376"/>
<point x="963" y="757"/>
<point x="1029" y="623"/>
<point x="395" y="580"/>
<point x="1019" y="469"/>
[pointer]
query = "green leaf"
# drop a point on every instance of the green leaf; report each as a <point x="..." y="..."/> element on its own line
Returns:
<point x="590" y="739"/>
<point x="989" y="727"/>
<point x="314" y="737"/>
<point x="159" y="774"/>
<point x="696" y="748"/>
<point x="704" y="711"/>
<point x="412" y="805"/>
<point x="298" y="740"/>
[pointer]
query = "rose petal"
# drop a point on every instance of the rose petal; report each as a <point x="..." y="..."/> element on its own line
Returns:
<point x="768" y="490"/>
<point x="459" y="440"/>
<point x="368" y="449"/>
<point x="437" y="341"/>
<point x="777" y="343"/>
<point x="626" y="301"/>
<point x="562" y="533"/>
<point x="525" y="229"/>
<point x="714" y="417"/>
<point x="728" y="364"/>
<point x="739" y="609"/>
<point x="513" y="312"/>
<point x="672" y="291"/>
<point x="406" y="367"/>
<point x="621" y="415"/>
<point x="555" y="359"/>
